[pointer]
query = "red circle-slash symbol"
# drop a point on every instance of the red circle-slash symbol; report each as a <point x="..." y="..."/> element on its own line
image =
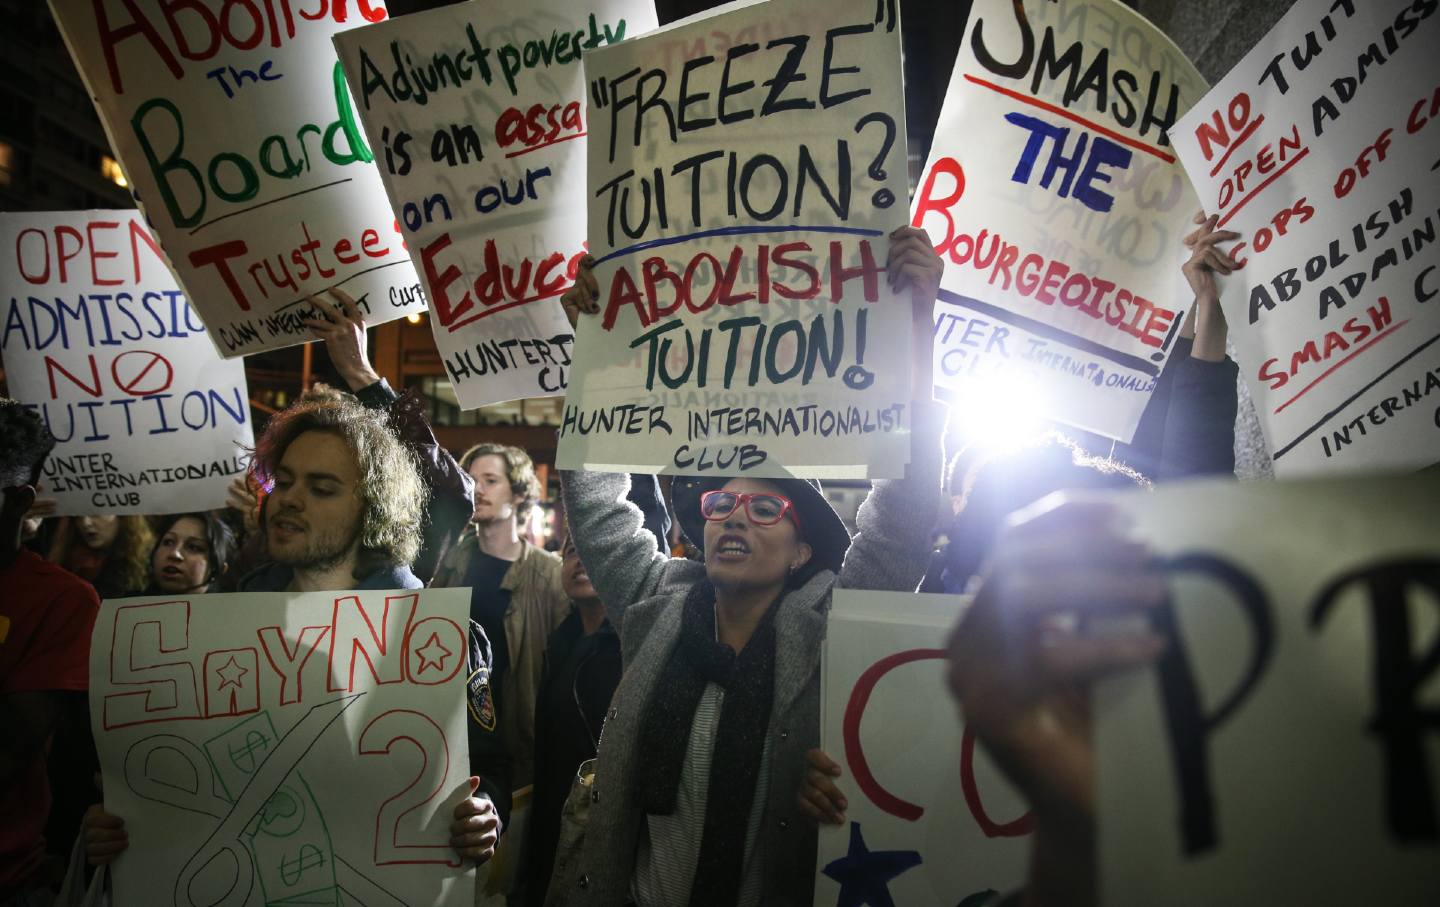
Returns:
<point x="141" y="373"/>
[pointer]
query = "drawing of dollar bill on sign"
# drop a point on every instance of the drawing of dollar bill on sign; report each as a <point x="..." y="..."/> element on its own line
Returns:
<point x="476" y="112"/>
<point x="745" y="172"/>
<point x="276" y="749"/>
<point x="234" y="125"/>
<point x="1055" y="199"/>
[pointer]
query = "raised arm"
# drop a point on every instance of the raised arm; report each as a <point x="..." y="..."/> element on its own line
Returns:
<point x="617" y="550"/>
<point x="891" y="548"/>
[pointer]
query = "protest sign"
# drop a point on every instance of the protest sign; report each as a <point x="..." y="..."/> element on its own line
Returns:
<point x="1320" y="149"/>
<point x="1055" y="200"/>
<point x="237" y="133"/>
<point x="1283" y="749"/>
<point x="929" y="820"/>
<point x="99" y="341"/>
<point x="273" y="749"/>
<point x="745" y="171"/>
<point x="477" y="111"/>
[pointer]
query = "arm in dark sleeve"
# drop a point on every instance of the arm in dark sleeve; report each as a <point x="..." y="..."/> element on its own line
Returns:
<point x="1146" y="446"/>
<point x="452" y="490"/>
<point x="489" y="758"/>
<point x="1200" y="426"/>
<point x="645" y="493"/>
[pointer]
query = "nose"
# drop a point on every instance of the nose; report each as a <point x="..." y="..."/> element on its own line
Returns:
<point x="176" y="554"/>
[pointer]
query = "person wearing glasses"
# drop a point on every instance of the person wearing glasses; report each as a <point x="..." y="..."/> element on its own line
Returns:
<point x="705" y="744"/>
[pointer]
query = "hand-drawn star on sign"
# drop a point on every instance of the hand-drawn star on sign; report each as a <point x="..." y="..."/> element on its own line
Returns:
<point x="864" y="875"/>
<point x="432" y="654"/>
<point x="230" y="674"/>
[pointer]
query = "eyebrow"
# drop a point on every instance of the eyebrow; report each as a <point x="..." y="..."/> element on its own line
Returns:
<point x="326" y="476"/>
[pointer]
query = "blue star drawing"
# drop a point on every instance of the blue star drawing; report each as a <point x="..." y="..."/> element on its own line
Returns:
<point x="864" y="875"/>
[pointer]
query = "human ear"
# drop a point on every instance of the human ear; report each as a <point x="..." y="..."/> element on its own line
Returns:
<point x="802" y="557"/>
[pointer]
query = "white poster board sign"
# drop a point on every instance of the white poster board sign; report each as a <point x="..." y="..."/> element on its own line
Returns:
<point x="1284" y="748"/>
<point x="98" y="340"/>
<point x="268" y="748"/>
<point x="486" y="173"/>
<point x="745" y="171"/>
<point x="1320" y="148"/>
<point x="1058" y="206"/>
<point x="930" y="820"/>
<point x="237" y="133"/>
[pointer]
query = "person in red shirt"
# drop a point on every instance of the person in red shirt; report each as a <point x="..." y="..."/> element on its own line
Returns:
<point x="46" y="616"/>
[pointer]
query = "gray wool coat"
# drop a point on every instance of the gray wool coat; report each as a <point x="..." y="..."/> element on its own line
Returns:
<point x="644" y="592"/>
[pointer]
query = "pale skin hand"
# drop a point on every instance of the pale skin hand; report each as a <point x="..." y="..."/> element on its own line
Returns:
<point x="584" y="296"/>
<point x="1021" y="664"/>
<point x="1206" y="322"/>
<point x="105" y="835"/>
<point x="341" y="325"/>
<point x="41" y="510"/>
<point x="819" y="797"/>
<point x="240" y="496"/>
<point x="476" y="828"/>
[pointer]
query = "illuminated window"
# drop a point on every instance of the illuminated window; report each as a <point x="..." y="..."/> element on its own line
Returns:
<point x="110" y="169"/>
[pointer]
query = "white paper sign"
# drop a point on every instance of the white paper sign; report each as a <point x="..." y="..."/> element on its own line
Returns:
<point x="1320" y="147"/>
<point x="745" y="171"/>
<point x="238" y="136"/>
<point x="1284" y="750"/>
<point x="1055" y="199"/>
<point x="930" y="820"/>
<point x="277" y="749"/>
<point x="477" y="112"/>
<point x="100" y="342"/>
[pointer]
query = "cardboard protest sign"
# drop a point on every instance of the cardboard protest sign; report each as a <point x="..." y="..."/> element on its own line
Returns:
<point x="273" y="749"/>
<point x="930" y="821"/>
<point x="238" y="136"/>
<point x="1055" y="199"/>
<point x="100" y="342"/>
<point x="745" y="171"/>
<point x="1283" y="749"/>
<point x="1320" y="149"/>
<point x="482" y="151"/>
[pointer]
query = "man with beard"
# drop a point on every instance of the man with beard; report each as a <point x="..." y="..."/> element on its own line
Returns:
<point x="343" y="511"/>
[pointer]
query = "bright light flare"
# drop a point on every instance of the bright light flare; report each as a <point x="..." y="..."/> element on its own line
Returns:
<point x="1000" y="411"/>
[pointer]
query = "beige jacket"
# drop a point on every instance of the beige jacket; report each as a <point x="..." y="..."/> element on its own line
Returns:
<point x="537" y="606"/>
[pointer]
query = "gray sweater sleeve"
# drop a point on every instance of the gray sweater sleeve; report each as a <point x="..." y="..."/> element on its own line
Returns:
<point x="615" y="547"/>
<point x="891" y="548"/>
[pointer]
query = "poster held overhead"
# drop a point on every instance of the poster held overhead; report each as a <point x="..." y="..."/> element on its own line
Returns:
<point x="235" y="128"/>
<point x="1282" y="749"/>
<point x="486" y="172"/>
<point x="1319" y="147"/>
<point x="929" y="820"/>
<point x="1061" y="228"/>
<point x="745" y="172"/>
<point x="98" y="340"/>
<point x="275" y="748"/>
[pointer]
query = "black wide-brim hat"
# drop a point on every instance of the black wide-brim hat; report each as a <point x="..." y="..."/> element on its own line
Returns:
<point x="820" y="526"/>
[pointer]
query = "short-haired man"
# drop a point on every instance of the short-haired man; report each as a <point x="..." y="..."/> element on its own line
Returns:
<point x="46" y="616"/>
<point x="343" y="511"/>
<point x="516" y="592"/>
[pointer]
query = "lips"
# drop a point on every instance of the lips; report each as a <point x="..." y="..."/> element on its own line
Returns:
<point x="731" y="547"/>
<point x="170" y="571"/>
<point x="285" y="527"/>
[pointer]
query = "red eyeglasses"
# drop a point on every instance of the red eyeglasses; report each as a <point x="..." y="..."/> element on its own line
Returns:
<point x="762" y="508"/>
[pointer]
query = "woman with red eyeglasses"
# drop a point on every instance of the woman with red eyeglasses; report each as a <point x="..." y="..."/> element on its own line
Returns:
<point x="694" y="799"/>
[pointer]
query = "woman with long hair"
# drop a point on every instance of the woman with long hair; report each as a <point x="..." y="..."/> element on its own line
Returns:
<point x="190" y="554"/>
<point x="109" y="552"/>
<point x="705" y="745"/>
